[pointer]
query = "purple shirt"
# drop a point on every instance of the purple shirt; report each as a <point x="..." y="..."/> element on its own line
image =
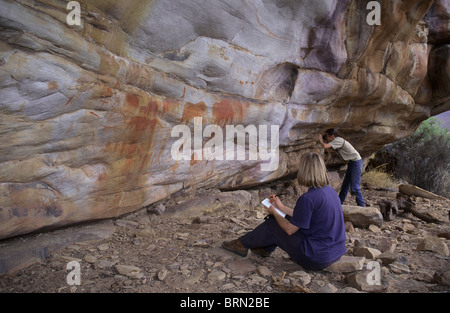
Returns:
<point x="319" y="215"/>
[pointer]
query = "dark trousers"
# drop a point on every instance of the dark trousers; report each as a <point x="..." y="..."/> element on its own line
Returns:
<point x="352" y="180"/>
<point x="270" y="235"/>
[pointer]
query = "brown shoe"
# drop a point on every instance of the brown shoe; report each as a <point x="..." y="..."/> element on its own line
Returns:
<point x="261" y="252"/>
<point x="235" y="246"/>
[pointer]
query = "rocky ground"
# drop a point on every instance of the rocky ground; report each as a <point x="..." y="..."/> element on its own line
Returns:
<point x="149" y="252"/>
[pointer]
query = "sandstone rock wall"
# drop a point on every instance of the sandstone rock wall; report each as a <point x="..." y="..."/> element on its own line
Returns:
<point x="87" y="112"/>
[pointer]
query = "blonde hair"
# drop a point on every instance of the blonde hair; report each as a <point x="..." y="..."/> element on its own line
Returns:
<point x="312" y="171"/>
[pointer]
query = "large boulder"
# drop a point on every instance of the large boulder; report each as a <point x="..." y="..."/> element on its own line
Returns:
<point x="97" y="120"/>
<point x="362" y="217"/>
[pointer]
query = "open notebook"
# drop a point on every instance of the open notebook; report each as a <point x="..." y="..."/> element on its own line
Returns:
<point x="267" y="204"/>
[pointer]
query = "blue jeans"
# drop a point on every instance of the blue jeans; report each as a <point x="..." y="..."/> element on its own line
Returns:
<point x="352" y="180"/>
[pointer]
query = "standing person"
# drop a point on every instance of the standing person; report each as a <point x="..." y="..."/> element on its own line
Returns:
<point x="352" y="178"/>
<point x="313" y="233"/>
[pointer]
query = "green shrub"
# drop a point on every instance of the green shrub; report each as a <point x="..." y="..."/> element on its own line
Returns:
<point x="422" y="159"/>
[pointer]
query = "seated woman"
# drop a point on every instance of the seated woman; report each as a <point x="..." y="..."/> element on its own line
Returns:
<point x="313" y="233"/>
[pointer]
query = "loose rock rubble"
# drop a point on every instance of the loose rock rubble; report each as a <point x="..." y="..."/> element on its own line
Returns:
<point x="150" y="251"/>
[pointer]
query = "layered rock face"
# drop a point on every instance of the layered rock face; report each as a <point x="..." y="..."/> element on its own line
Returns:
<point x="104" y="118"/>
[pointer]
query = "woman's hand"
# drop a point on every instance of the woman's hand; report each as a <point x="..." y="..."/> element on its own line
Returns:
<point x="270" y="210"/>
<point x="276" y="202"/>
